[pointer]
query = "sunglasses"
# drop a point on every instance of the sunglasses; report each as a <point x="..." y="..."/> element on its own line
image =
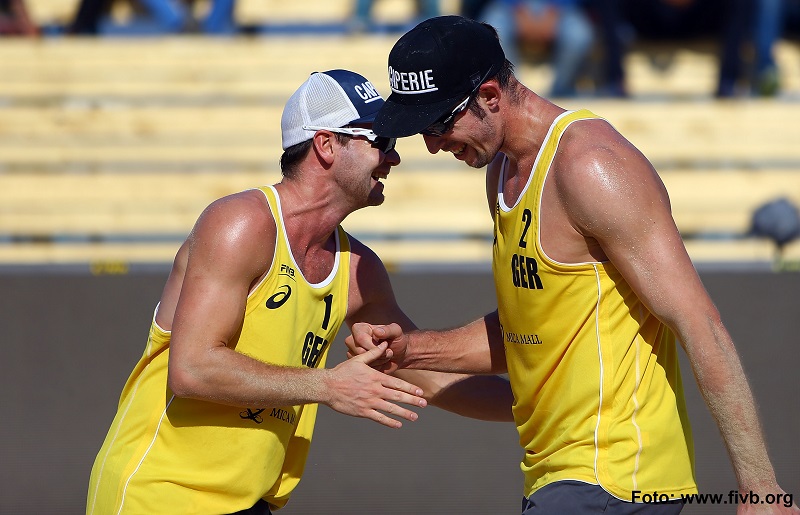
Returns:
<point x="383" y="144"/>
<point x="443" y="125"/>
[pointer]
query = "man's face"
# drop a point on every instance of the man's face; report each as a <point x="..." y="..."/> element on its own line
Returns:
<point x="468" y="136"/>
<point x="364" y="165"/>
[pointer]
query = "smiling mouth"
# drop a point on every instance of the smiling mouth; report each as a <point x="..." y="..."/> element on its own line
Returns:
<point x="458" y="152"/>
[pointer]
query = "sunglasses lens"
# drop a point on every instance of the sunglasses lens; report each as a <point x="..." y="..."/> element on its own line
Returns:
<point x="385" y="145"/>
<point x="444" y="124"/>
<point x="436" y="129"/>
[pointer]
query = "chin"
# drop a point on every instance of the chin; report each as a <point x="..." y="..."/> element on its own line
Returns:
<point x="376" y="201"/>
<point x="479" y="161"/>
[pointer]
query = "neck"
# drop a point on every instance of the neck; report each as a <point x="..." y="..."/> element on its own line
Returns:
<point x="527" y="126"/>
<point x="309" y="217"/>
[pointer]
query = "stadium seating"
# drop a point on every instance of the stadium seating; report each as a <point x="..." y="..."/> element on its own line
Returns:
<point x="110" y="147"/>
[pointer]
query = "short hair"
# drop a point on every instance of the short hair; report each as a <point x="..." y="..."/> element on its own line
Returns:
<point x="505" y="74"/>
<point x="503" y="77"/>
<point x="294" y="155"/>
<point x="506" y="71"/>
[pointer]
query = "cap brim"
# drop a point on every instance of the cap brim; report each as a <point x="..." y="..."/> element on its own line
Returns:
<point x="397" y="120"/>
<point x="367" y="118"/>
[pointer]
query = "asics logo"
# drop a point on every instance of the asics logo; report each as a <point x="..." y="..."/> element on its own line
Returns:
<point x="279" y="298"/>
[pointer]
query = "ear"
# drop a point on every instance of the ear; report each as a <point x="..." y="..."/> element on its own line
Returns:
<point x="491" y="93"/>
<point x="325" y="146"/>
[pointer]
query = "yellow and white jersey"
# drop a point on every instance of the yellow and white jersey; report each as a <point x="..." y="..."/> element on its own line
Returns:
<point x="597" y="388"/>
<point x="174" y="455"/>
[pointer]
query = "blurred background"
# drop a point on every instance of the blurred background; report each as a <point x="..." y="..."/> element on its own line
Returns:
<point x="121" y="120"/>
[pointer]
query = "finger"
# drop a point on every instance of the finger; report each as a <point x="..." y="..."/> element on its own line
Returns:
<point x="373" y="354"/>
<point x="389" y="367"/>
<point x="352" y="353"/>
<point x="387" y="332"/>
<point x="399" y="411"/>
<point x="380" y="418"/>
<point x="362" y="337"/>
<point x="382" y="361"/>
<point x="381" y="365"/>
<point x="397" y="384"/>
<point x="411" y="399"/>
<point x="350" y="342"/>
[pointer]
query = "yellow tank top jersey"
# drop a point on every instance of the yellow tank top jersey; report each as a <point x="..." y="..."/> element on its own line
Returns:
<point x="172" y="455"/>
<point x="598" y="395"/>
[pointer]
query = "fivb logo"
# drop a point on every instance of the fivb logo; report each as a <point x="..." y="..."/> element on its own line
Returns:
<point x="411" y="83"/>
<point x="367" y="92"/>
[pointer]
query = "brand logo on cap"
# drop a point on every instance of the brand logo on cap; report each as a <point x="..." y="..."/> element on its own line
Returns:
<point x="367" y="92"/>
<point x="412" y="83"/>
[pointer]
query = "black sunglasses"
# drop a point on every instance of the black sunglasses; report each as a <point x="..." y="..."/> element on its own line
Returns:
<point x="443" y="125"/>
<point x="382" y="143"/>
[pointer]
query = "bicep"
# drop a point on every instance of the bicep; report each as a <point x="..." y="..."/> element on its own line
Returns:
<point x="210" y="309"/>
<point x="371" y="297"/>
<point x="223" y="262"/>
<point x="627" y="211"/>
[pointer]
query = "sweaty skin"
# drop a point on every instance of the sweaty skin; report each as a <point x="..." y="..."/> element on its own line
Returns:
<point x="602" y="201"/>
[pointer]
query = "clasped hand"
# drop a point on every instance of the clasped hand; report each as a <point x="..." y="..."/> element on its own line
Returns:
<point x="355" y="388"/>
<point x="366" y="337"/>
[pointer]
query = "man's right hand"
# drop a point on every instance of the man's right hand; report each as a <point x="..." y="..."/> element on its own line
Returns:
<point x="355" y="388"/>
<point x="366" y="337"/>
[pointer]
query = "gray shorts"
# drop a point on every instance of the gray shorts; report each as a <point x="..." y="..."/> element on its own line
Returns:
<point x="259" y="508"/>
<point x="582" y="498"/>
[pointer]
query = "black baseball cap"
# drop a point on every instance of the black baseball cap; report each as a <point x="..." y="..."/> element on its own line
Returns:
<point x="432" y="68"/>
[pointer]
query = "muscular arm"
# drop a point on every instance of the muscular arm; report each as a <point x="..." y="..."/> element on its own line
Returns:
<point x="486" y="397"/>
<point x="229" y="250"/>
<point x="614" y="196"/>
<point x="475" y="348"/>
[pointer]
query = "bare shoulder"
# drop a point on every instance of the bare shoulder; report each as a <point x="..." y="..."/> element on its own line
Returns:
<point x="594" y="156"/>
<point x="599" y="175"/>
<point x="238" y="215"/>
<point x="595" y="140"/>
<point x="230" y="247"/>
<point x="237" y="229"/>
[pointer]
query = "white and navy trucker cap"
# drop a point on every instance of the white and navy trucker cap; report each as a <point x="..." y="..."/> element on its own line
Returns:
<point x="334" y="98"/>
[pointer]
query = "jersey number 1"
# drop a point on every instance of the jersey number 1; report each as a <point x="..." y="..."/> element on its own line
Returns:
<point x="314" y="345"/>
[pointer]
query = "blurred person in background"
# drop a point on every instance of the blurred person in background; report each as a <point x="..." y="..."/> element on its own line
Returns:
<point x="155" y="17"/>
<point x="561" y="29"/>
<point x="790" y="19"/>
<point x="15" y="19"/>
<point x="362" y="20"/>
<point x="732" y="24"/>
<point x="767" y="30"/>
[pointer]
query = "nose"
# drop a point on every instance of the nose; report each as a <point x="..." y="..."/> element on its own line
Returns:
<point x="393" y="157"/>
<point x="434" y="143"/>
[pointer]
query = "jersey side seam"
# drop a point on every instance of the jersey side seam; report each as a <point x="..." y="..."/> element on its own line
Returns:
<point x="146" y="452"/>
